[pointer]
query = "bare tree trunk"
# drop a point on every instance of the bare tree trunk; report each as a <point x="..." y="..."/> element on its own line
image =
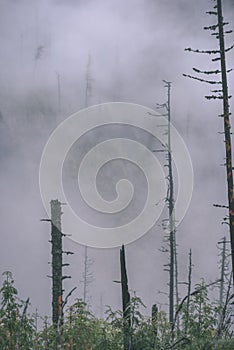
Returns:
<point x="56" y="241"/>
<point x="59" y="91"/>
<point x="85" y="273"/>
<point x="227" y="128"/>
<point x="88" y="94"/>
<point x="125" y="301"/>
<point x="171" y="212"/>
<point x="189" y="292"/>
<point x="89" y="81"/>
<point x="221" y="290"/>
<point x="176" y="277"/>
<point x="225" y="97"/>
<point x="57" y="265"/>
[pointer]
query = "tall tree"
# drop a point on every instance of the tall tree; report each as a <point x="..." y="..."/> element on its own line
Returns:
<point x="173" y="263"/>
<point x="189" y="283"/>
<point x="89" y="80"/>
<point x="125" y="301"/>
<point x="56" y="241"/>
<point x="219" y="32"/>
<point x="57" y="262"/>
<point x="87" y="274"/>
<point x="227" y="127"/>
<point x="222" y="272"/>
<point x="170" y="200"/>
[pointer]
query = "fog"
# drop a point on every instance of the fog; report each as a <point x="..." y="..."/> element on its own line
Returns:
<point x="133" y="46"/>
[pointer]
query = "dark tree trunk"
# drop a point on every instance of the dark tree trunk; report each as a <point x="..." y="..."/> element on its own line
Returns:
<point x="56" y="240"/>
<point x="227" y="128"/>
<point x="125" y="301"/>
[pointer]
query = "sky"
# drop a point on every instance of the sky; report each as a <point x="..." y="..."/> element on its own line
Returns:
<point x="133" y="46"/>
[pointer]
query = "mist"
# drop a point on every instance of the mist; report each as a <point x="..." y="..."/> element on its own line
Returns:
<point x="133" y="46"/>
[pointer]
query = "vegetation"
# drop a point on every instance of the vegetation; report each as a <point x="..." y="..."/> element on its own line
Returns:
<point x="81" y="330"/>
<point x="196" y="322"/>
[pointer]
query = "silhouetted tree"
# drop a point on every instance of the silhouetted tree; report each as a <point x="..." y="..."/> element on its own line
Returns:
<point x="221" y="92"/>
<point x="125" y="301"/>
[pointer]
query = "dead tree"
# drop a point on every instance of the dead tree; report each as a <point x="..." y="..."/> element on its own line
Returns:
<point x="221" y="92"/>
<point x="227" y="127"/>
<point x="57" y="262"/>
<point x="125" y="301"/>
<point x="59" y="91"/>
<point x="222" y="272"/>
<point x="85" y="273"/>
<point x="89" y="81"/>
<point x="173" y="265"/>
<point x="87" y="276"/>
<point x="57" y="251"/>
<point x="170" y="199"/>
<point x="188" y="293"/>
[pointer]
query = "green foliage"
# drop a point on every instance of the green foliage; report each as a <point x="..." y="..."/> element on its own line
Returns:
<point x="201" y="318"/>
<point x="82" y="331"/>
<point x="226" y="345"/>
<point x="16" y="329"/>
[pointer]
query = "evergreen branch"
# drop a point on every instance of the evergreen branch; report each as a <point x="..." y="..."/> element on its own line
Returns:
<point x="207" y="72"/>
<point x="229" y="48"/>
<point x="212" y="13"/>
<point x="213" y="97"/>
<point x="65" y="277"/>
<point x="68" y="253"/>
<point x="209" y="52"/>
<point x="216" y="59"/>
<point x="213" y="27"/>
<point x="220" y="206"/>
<point x="202" y="80"/>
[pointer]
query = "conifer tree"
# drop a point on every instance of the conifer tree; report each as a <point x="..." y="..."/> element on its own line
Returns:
<point x="220" y="92"/>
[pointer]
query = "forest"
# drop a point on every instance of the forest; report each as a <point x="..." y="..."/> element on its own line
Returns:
<point x="155" y="280"/>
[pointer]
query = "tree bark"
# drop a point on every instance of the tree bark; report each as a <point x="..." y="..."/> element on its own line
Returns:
<point x="125" y="301"/>
<point x="227" y="128"/>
